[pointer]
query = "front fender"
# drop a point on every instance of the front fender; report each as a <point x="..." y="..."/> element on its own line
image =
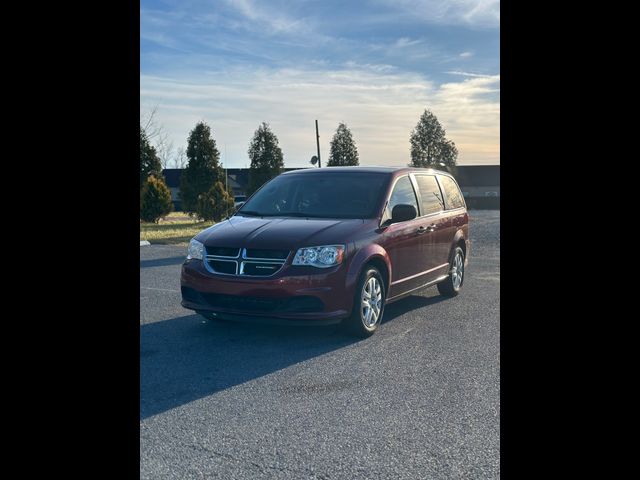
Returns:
<point x="364" y="256"/>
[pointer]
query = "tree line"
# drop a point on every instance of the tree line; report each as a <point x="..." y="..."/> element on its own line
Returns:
<point x="202" y="184"/>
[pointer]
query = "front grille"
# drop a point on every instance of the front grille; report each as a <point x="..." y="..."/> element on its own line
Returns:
<point x="267" y="254"/>
<point x="260" y="269"/>
<point x="249" y="262"/>
<point x="302" y="304"/>
<point x="223" y="266"/>
<point x="223" y="251"/>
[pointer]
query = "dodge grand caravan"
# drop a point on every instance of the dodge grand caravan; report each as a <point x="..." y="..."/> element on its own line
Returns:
<point x="331" y="245"/>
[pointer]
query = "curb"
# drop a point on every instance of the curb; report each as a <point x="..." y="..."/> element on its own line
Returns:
<point x="144" y="243"/>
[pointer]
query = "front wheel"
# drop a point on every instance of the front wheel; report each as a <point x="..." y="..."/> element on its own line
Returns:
<point x="368" y="304"/>
<point x="452" y="285"/>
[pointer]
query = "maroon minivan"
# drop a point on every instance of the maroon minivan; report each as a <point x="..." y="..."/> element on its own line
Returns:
<point x="330" y="245"/>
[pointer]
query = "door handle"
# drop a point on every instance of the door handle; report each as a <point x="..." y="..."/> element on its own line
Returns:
<point x="422" y="229"/>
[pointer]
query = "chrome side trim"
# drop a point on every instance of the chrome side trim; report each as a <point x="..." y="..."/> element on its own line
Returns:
<point x="428" y="284"/>
<point x="419" y="274"/>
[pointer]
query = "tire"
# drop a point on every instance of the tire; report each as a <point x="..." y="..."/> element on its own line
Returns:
<point x="364" y="321"/>
<point x="452" y="285"/>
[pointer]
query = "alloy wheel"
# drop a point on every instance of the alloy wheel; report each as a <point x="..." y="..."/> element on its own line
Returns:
<point x="457" y="271"/>
<point x="371" y="302"/>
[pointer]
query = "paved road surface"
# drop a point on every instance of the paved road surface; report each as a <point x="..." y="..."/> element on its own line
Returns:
<point x="420" y="399"/>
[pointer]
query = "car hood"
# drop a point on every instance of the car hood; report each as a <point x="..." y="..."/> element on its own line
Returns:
<point x="279" y="233"/>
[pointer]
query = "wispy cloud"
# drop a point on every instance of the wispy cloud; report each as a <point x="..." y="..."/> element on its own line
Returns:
<point x="375" y="65"/>
<point x="380" y="108"/>
<point x="273" y="19"/>
<point x="483" y="13"/>
<point x="469" y="74"/>
<point x="406" y="42"/>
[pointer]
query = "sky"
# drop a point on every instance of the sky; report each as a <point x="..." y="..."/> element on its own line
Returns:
<point x="375" y="65"/>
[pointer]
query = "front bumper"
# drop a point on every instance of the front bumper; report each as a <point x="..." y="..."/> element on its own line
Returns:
<point x="300" y="295"/>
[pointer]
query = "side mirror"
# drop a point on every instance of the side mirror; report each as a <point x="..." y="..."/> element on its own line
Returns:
<point x="402" y="213"/>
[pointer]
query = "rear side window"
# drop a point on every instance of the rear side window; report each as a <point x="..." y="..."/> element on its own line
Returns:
<point x="452" y="195"/>
<point x="402" y="194"/>
<point x="430" y="195"/>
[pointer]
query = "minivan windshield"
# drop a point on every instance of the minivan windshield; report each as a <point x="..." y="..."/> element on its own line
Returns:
<point x="319" y="195"/>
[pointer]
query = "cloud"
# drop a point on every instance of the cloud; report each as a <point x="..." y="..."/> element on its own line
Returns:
<point x="376" y="67"/>
<point x="406" y="42"/>
<point x="466" y="54"/>
<point x="381" y="108"/>
<point x="274" y="21"/>
<point x="482" y="13"/>
<point x="469" y="74"/>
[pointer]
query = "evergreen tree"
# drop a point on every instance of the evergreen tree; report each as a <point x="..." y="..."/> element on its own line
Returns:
<point x="149" y="161"/>
<point x="215" y="204"/>
<point x="343" y="149"/>
<point x="203" y="167"/>
<point x="429" y="145"/>
<point x="266" y="158"/>
<point x="155" y="199"/>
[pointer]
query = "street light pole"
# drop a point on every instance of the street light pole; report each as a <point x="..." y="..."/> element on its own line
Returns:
<point x="318" y="145"/>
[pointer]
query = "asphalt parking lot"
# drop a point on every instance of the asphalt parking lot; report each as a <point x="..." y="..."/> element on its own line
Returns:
<point x="419" y="399"/>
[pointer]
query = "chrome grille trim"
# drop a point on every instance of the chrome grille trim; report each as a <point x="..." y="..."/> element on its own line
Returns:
<point x="241" y="260"/>
<point x="219" y="259"/>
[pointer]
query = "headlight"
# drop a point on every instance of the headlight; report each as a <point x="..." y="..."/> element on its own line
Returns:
<point x="322" y="257"/>
<point x="196" y="250"/>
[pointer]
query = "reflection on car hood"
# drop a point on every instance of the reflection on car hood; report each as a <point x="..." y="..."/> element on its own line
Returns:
<point x="278" y="232"/>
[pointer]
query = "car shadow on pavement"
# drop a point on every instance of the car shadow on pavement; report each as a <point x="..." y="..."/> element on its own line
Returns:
<point x="187" y="358"/>
<point x="162" y="262"/>
<point x="407" y="304"/>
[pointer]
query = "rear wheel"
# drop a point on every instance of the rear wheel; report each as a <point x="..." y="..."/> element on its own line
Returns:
<point x="368" y="304"/>
<point x="452" y="285"/>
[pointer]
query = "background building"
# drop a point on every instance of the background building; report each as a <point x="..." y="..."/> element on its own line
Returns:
<point x="480" y="185"/>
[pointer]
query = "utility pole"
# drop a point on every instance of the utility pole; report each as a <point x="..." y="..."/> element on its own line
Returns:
<point x="318" y="145"/>
<point x="226" y="170"/>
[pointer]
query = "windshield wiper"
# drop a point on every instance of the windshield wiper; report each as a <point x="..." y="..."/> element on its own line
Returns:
<point x="251" y="213"/>
<point x="317" y="215"/>
<point x="275" y="214"/>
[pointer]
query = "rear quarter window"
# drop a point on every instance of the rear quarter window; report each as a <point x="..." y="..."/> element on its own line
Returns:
<point x="452" y="196"/>
<point x="430" y="196"/>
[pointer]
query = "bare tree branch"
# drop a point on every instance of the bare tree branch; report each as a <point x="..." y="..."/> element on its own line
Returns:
<point x="158" y="136"/>
<point x="164" y="149"/>
<point x="150" y="125"/>
<point x="180" y="158"/>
